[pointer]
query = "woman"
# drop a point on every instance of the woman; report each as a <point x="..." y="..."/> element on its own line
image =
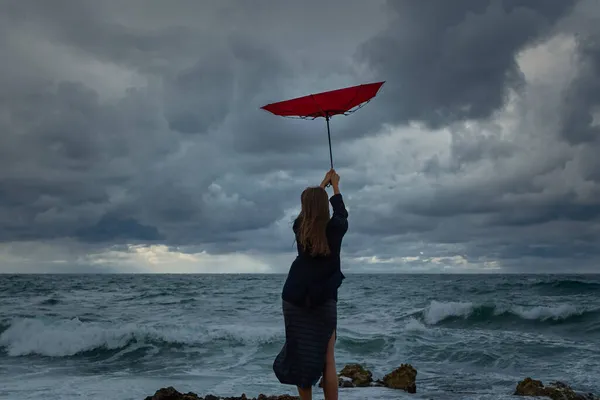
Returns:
<point x="310" y="293"/>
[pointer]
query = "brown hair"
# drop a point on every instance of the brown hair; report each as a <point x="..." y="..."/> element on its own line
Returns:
<point x="313" y="219"/>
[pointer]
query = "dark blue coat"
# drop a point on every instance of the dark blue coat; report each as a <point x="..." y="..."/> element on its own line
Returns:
<point x="313" y="280"/>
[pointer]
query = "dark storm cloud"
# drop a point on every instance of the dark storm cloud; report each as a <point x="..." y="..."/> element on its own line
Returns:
<point x="583" y="97"/>
<point x="110" y="228"/>
<point x="64" y="150"/>
<point x="447" y="61"/>
<point x="222" y="83"/>
<point x="67" y="144"/>
<point x="454" y="61"/>
<point x="185" y="111"/>
<point x="94" y="29"/>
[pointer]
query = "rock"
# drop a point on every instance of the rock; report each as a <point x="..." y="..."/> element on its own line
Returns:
<point x="360" y="376"/>
<point x="530" y="387"/>
<point x="403" y="378"/>
<point x="355" y="375"/>
<point x="555" y="390"/>
<point x="171" y="394"/>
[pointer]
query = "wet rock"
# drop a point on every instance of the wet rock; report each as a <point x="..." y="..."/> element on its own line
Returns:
<point x="555" y="390"/>
<point x="171" y="394"/>
<point x="530" y="387"/>
<point x="403" y="378"/>
<point x="355" y="375"/>
<point x="359" y="376"/>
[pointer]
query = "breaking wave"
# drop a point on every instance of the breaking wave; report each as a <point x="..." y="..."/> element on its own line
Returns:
<point x="438" y="312"/>
<point x="64" y="338"/>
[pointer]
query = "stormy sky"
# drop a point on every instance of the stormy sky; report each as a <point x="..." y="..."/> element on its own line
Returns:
<point x="131" y="138"/>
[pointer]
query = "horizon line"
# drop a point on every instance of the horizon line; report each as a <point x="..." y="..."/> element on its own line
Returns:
<point x="285" y="273"/>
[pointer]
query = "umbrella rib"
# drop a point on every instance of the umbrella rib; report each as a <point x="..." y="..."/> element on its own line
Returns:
<point x="355" y="94"/>
<point x="312" y="96"/>
<point x="361" y="105"/>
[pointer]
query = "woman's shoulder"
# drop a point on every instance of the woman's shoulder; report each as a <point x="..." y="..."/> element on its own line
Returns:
<point x="296" y="224"/>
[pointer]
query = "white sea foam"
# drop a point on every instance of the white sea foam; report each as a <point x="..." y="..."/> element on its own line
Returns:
<point x="562" y="311"/>
<point x="69" y="337"/>
<point x="438" y="311"/>
<point x="414" y="325"/>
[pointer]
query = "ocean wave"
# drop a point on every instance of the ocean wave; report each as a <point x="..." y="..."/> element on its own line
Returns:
<point x="50" y="302"/>
<point x="558" y="286"/>
<point x="70" y="337"/>
<point x="438" y="312"/>
<point x="414" y="325"/>
<point x="4" y="325"/>
<point x="364" y="345"/>
<point x="569" y="284"/>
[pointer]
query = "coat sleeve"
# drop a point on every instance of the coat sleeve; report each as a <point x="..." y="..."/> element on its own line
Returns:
<point x="340" y="214"/>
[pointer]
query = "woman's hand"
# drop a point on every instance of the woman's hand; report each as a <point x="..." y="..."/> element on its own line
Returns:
<point x="327" y="179"/>
<point x="334" y="178"/>
<point x="335" y="181"/>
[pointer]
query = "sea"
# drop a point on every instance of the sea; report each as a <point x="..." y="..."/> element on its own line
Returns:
<point x="125" y="336"/>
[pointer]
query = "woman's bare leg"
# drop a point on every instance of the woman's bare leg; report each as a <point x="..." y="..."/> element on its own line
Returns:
<point x="305" y="393"/>
<point x="330" y="378"/>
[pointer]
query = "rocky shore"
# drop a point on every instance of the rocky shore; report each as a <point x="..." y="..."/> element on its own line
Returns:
<point x="402" y="378"/>
<point x="555" y="390"/>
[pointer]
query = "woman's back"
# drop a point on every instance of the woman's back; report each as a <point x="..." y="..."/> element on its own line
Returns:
<point x="315" y="278"/>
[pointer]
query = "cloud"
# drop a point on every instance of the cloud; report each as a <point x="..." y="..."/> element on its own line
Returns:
<point x="456" y="60"/>
<point x="132" y="138"/>
<point x="507" y="187"/>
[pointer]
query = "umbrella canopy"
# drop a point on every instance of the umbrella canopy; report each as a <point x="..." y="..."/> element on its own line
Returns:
<point x="325" y="104"/>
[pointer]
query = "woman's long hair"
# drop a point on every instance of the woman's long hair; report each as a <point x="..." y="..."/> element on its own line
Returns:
<point x="313" y="219"/>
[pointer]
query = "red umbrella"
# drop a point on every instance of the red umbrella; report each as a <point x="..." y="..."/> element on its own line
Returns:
<point x="326" y="104"/>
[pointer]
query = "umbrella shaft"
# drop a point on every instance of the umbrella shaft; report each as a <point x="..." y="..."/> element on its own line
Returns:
<point x="329" y="138"/>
